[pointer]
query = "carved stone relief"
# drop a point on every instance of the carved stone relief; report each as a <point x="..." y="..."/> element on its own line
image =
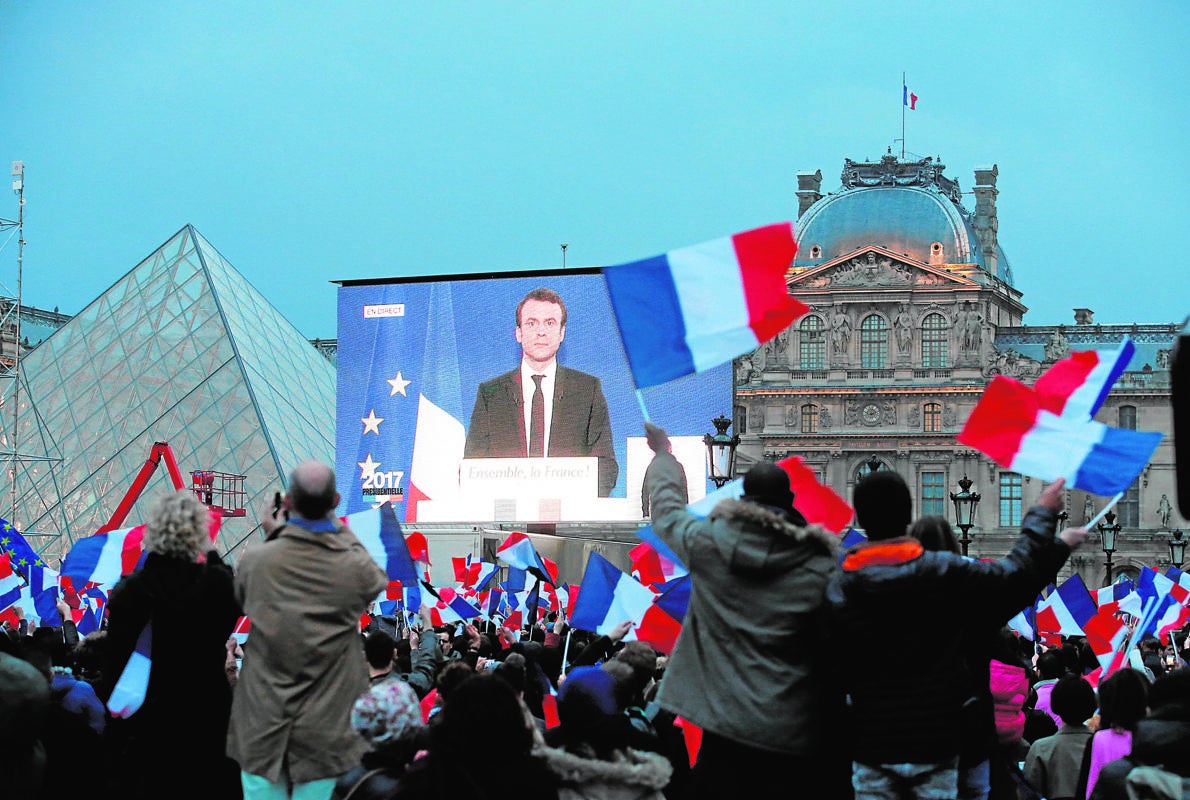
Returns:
<point x="948" y="416"/>
<point x="1011" y="364"/>
<point x="914" y="416"/>
<point x="1057" y="347"/>
<point x="824" y="418"/>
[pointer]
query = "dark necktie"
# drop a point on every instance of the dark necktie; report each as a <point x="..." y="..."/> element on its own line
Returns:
<point x="537" y="420"/>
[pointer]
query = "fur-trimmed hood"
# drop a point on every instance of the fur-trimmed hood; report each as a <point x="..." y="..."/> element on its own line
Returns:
<point x="630" y="774"/>
<point x="769" y="541"/>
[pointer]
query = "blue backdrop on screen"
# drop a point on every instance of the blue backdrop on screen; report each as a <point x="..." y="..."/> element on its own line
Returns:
<point x="442" y="338"/>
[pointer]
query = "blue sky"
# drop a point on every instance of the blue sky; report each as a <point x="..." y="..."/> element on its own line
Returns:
<point x="317" y="141"/>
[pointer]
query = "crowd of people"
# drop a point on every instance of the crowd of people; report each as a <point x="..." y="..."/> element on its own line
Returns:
<point x="886" y="671"/>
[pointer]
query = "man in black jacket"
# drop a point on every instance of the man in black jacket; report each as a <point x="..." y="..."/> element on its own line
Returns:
<point x="908" y="708"/>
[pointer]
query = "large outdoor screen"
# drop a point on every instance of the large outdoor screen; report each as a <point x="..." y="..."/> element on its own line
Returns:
<point x="435" y="415"/>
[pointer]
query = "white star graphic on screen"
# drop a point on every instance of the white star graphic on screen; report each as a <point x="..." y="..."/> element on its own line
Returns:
<point x="371" y="423"/>
<point x="398" y="383"/>
<point x="367" y="466"/>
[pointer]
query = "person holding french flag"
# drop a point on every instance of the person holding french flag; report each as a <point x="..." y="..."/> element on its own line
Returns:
<point x="909" y="711"/>
<point x="751" y="666"/>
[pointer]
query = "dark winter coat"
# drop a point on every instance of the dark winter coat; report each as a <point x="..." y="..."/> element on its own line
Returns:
<point x="911" y="607"/>
<point x="749" y="664"/>
<point x="183" y="721"/>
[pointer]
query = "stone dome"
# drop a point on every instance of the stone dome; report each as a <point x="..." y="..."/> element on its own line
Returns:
<point x="903" y="207"/>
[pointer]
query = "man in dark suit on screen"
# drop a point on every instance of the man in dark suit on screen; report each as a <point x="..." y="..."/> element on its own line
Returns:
<point x="541" y="408"/>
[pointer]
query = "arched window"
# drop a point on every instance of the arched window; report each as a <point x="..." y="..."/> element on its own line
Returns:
<point x="813" y="343"/>
<point x="932" y="417"/>
<point x="873" y="342"/>
<point x="809" y="418"/>
<point x="934" y="336"/>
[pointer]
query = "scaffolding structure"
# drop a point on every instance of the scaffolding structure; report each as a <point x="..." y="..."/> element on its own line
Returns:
<point x="15" y="398"/>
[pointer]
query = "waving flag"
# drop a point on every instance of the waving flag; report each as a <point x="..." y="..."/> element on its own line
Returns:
<point x="439" y="437"/>
<point x="446" y="605"/>
<point x="818" y="503"/>
<point x="379" y="532"/>
<point x="129" y="692"/>
<point x="610" y="597"/>
<point x="1077" y="385"/>
<point x="908" y="98"/>
<point x="1168" y="610"/>
<point x="1066" y="609"/>
<point x="10" y="583"/>
<point x="1106" y="634"/>
<point x="23" y="556"/>
<point x="104" y="557"/>
<point x="1009" y="426"/>
<point x="701" y="306"/>
<point x="1108" y="598"/>
<point x="518" y="551"/>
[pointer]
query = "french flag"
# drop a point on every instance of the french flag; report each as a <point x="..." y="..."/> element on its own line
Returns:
<point x="10" y="584"/>
<point x="650" y="567"/>
<point x="133" y="684"/>
<point x="490" y="603"/>
<point x="1009" y="426"/>
<point x="1108" y="598"/>
<point x="908" y="98"/>
<point x="379" y="532"/>
<point x="1106" y="634"/>
<point x="1066" y="609"/>
<point x="701" y="306"/>
<point x="610" y="596"/>
<point x="1077" y="385"/>
<point x="104" y="557"/>
<point x="446" y="605"/>
<point x="1025" y="623"/>
<point x="242" y="628"/>
<point x="1168" y="611"/>
<point x="439" y="436"/>
<point x="518" y="551"/>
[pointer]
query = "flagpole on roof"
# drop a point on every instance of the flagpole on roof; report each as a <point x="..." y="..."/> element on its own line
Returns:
<point x="903" y="87"/>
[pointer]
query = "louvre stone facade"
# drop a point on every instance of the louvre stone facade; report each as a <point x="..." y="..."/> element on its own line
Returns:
<point x="913" y="309"/>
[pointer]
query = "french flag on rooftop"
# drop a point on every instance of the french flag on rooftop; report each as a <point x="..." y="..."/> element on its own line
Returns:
<point x="1067" y="608"/>
<point x="700" y="306"/>
<point x="1010" y="426"/>
<point x="104" y="557"/>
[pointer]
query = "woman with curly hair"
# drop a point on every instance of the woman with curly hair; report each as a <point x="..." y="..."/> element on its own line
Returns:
<point x="174" y="744"/>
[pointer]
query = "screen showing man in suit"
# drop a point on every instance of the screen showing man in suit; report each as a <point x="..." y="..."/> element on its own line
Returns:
<point x="542" y="408"/>
<point x="436" y="385"/>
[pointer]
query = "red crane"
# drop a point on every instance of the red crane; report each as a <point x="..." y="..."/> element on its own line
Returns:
<point x="222" y="491"/>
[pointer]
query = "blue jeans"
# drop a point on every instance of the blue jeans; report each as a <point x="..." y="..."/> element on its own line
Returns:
<point x="906" y="781"/>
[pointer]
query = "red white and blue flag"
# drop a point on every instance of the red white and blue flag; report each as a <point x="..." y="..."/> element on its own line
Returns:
<point x="908" y="98"/>
<point x="1047" y="432"/>
<point x="1106" y="634"/>
<point x="610" y="597"/>
<point x="10" y="583"/>
<point x="104" y="557"/>
<point x="518" y="551"/>
<point x="1066" y="609"/>
<point x="133" y="684"/>
<point x="379" y="532"/>
<point x="446" y="605"/>
<point x="439" y="436"/>
<point x="1108" y="598"/>
<point x="697" y="307"/>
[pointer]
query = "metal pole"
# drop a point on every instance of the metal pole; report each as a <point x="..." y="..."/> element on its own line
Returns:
<point x="16" y="359"/>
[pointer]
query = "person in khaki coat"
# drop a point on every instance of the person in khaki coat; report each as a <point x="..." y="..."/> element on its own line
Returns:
<point x="304" y="588"/>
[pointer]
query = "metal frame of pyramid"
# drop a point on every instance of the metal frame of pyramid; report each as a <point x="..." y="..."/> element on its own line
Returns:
<point x="180" y="349"/>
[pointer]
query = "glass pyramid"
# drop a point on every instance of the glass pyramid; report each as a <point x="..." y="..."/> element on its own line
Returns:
<point x="182" y="350"/>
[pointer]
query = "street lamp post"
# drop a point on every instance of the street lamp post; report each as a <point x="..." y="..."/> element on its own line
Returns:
<point x="965" y="504"/>
<point x="1108" y="529"/>
<point x="1177" y="549"/>
<point x="721" y="451"/>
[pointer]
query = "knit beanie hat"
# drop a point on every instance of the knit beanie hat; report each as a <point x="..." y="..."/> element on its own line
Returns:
<point x="386" y="712"/>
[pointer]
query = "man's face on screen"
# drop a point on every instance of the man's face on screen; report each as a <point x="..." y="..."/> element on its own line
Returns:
<point x="541" y="330"/>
